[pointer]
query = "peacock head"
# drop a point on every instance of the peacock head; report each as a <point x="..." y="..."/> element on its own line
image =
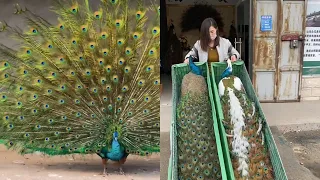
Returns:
<point x="115" y="135"/>
<point x="229" y="63"/>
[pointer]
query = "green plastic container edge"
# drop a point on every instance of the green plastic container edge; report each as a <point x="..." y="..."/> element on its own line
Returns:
<point x="224" y="142"/>
<point x="267" y="129"/>
<point x="172" y="168"/>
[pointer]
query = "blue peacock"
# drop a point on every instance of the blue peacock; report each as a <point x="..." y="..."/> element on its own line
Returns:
<point x="88" y="85"/>
<point x="197" y="150"/>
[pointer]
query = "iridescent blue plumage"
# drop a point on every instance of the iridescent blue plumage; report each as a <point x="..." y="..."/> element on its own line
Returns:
<point x="194" y="69"/>
<point x="116" y="153"/>
<point x="228" y="71"/>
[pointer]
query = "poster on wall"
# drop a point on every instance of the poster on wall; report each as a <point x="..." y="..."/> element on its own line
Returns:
<point x="312" y="39"/>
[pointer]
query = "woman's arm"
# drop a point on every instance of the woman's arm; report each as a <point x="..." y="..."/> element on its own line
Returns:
<point x="233" y="51"/>
<point x="193" y="51"/>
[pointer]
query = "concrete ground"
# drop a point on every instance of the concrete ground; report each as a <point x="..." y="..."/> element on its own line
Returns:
<point x="38" y="167"/>
<point x="295" y="128"/>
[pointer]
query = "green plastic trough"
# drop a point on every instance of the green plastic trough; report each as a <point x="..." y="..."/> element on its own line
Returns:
<point x="239" y="70"/>
<point x="178" y="72"/>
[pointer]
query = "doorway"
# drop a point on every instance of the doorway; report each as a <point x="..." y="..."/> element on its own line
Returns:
<point x="236" y="16"/>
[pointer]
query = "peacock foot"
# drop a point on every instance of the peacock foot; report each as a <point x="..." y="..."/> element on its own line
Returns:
<point x="104" y="173"/>
<point x="121" y="171"/>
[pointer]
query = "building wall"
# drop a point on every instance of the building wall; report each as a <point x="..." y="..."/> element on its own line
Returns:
<point x="310" y="88"/>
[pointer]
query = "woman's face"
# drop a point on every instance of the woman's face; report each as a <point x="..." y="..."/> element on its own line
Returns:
<point x="213" y="33"/>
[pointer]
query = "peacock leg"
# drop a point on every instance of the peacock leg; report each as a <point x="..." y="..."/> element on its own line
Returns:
<point x="121" y="162"/>
<point x="104" y="163"/>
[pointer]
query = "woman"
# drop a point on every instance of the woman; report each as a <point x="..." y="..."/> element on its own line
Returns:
<point x="211" y="47"/>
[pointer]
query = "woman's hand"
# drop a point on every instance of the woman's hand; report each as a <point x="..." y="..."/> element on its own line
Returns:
<point x="233" y="58"/>
<point x="186" y="61"/>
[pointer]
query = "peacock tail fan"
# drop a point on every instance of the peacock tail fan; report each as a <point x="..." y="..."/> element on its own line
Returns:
<point x="71" y="85"/>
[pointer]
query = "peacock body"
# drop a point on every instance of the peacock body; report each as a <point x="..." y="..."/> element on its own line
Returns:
<point x="250" y="158"/>
<point x="87" y="85"/>
<point x="197" y="151"/>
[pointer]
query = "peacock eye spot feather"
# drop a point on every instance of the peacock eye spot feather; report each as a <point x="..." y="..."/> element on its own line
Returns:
<point x="81" y="58"/>
<point x="47" y="139"/>
<point x="135" y="36"/>
<point x="61" y="27"/>
<point x="7" y="117"/>
<point x="74" y="42"/>
<point x="61" y="59"/>
<point x="43" y="63"/>
<point x="28" y="52"/>
<point x="50" y="46"/>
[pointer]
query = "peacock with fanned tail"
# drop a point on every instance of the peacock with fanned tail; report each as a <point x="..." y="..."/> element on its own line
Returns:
<point x="88" y="85"/>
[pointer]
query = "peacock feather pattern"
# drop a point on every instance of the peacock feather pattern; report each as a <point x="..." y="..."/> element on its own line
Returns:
<point x="250" y="158"/>
<point x="85" y="83"/>
<point x="197" y="151"/>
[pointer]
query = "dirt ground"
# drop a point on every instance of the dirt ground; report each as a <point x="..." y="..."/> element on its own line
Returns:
<point x="38" y="167"/>
<point x="306" y="146"/>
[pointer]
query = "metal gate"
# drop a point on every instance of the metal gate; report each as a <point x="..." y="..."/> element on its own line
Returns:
<point x="278" y="48"/>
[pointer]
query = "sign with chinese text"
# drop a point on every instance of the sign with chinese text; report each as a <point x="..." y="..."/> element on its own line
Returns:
<point x="266" y="23"/>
